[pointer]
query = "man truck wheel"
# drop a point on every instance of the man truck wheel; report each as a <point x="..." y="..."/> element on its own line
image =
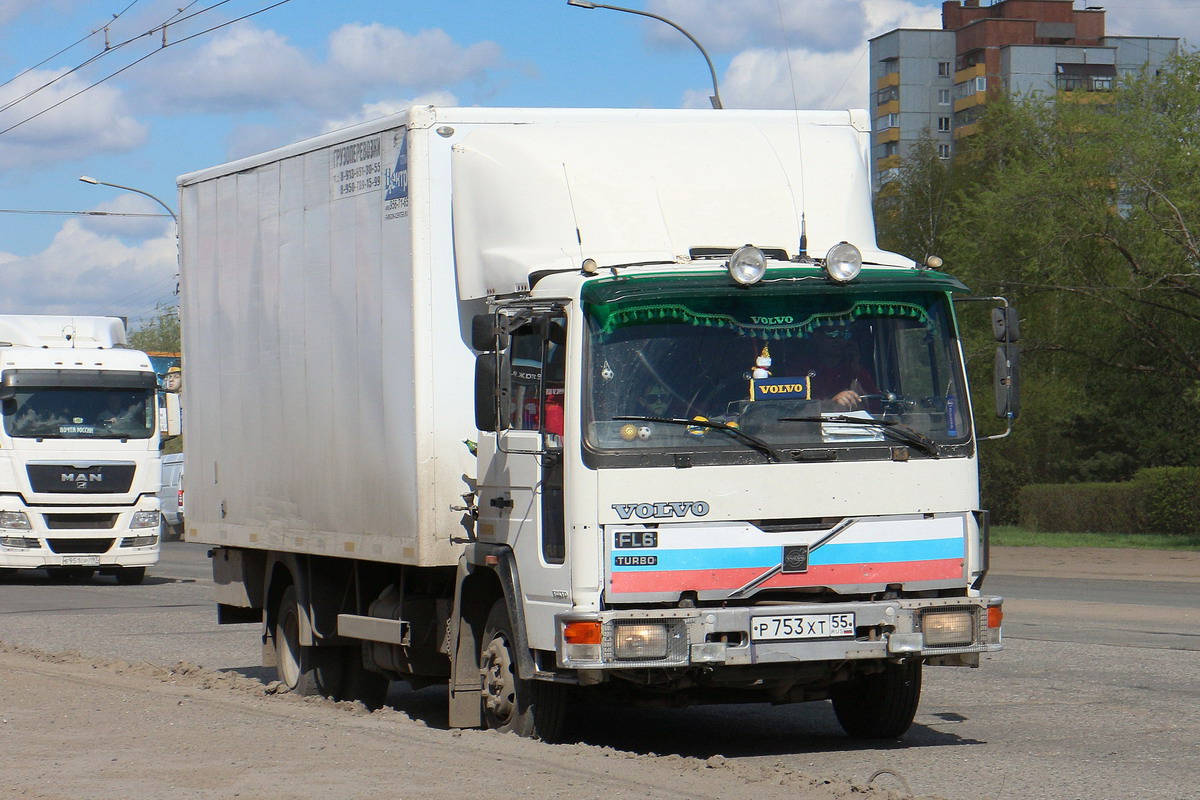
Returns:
<point x="529" y="708"/>
<point x="130" y="576"/>
<point x="881" y="705"/>
<point x="303" y="669"/>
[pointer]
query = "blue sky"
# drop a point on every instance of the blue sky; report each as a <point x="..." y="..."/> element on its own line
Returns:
<point x="308" y="66"/>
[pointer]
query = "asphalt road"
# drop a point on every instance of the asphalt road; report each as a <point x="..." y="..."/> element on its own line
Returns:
<point x="1095" y="695"/>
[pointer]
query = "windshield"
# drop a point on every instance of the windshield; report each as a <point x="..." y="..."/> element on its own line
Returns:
<point x="777" y="363"/>
<point x="74" y="413"/>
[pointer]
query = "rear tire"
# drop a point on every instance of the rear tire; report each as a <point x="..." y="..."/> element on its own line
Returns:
<point x="881" y="705"/>
<point x="529" y="708"/>
<point x="303" y="669"/>
<point x="359" y="683"/>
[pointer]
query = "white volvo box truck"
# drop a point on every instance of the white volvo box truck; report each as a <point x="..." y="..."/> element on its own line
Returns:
<point x="79" y="449"/>
<point x="549" y="402"/>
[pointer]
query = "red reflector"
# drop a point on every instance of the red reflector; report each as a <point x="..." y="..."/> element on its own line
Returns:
<point x="582" y="633"/>
<point x="995" y="616"/>
<point x="491" y="561"/>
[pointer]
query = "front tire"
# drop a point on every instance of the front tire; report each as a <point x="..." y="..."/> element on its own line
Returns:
<point x="130" y="576"/>
<point x="881" y="705"/>
<point x="529" y="708"/>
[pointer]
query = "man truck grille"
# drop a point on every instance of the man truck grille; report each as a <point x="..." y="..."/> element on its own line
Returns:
<point x="60" y="522"/>
<point x="80" y="546"/>
<point x="80" y="478"/>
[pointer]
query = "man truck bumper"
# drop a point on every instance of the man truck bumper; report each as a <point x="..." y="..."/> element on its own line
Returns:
<point x="96" y="536"/>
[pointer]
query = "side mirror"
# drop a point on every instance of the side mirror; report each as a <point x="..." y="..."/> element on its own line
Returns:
<point x="172" y="425"/>
<point x="1006" y="382"/>
<point x="1006" y="325"/>
<point x="487" y="400"/>
<point x="484" y="334"/>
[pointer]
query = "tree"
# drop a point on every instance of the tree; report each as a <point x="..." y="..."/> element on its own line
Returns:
<point x="160" y="334"/>
<point x="1085" y="209"/>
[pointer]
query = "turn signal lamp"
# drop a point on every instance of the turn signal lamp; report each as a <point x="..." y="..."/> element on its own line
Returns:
<point x="843" y="262"/>
<point x="582" y="639"/>
<point x="995" y="616"/>
<point x="747" y="265"/>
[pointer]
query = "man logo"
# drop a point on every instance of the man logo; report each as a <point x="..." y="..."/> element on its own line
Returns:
<point x="82" y="479"/>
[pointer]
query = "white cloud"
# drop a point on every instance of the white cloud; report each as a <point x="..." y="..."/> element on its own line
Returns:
<point x="138" y="227"/>
<point x="816" y="26"/>
<point x="243" y="68"/>
<point x="381" y="109"/>
<point x="96" y="121"/>
<point x="760" y="79"/>
<point x="378" y="55"/>
<point x="82" y="272"/>
<point x="248" y="69"/>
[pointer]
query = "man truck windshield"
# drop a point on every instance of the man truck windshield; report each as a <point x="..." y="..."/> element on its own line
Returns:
<point x="779" y="364"/>
<point x="78" y="413"/>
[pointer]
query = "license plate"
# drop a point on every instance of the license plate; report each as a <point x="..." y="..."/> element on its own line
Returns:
<point x="81" y="561"/>
<point x="803" y="626"/>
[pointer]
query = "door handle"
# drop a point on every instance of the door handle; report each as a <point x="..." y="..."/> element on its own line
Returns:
<point x="500" y="502"/>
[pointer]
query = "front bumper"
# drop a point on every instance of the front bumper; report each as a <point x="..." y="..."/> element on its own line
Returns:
<point x="105" y="544"/>
<point x="722" y="636"/>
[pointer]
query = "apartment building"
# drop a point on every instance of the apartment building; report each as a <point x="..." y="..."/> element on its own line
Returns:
<point x="938" y="81"/>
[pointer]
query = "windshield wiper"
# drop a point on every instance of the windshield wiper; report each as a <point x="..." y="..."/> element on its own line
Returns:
<point x="889" y="427"/>
<point x="753" y="441"/>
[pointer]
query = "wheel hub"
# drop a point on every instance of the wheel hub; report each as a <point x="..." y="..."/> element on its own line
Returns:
<point x="499" y="683"/>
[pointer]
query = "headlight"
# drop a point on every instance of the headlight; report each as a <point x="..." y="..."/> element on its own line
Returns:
<point x="23" y="542"/>
<point x="14" y="520"/>
<point x="139" y="541"/>
<point x="145" y="519"/>
<point x="843" y="262"/>
<point x="640" y="641"/>
<point x="948" y="628"/>
<point x="747" y="265"/>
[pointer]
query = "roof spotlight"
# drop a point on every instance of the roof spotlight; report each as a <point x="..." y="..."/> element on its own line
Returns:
<point x="747" y="265"/>
<point x="843" y="262"/>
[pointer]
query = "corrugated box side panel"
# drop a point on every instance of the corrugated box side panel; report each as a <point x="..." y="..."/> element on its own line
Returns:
<point x="301" y="414"/>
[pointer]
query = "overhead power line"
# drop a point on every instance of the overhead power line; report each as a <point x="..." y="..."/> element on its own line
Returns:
<point x="161" y="29"/>
<point x="83" y="213"/>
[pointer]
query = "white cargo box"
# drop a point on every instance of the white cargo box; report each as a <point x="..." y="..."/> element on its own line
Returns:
<point x="328" y="288"/>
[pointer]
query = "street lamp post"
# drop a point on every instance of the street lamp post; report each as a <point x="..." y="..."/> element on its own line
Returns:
<point x="95" y="182"/>
<point x="716" y="95"/>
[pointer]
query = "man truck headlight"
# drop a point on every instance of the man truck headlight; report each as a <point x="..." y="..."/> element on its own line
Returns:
<point x="646" y="642"/>
<point x="145" y="519"/>
<point x="140" y="541"/>
<point x="948" y="628"/>
<point x="14" y="520"/>
<point x="19" y="542"/>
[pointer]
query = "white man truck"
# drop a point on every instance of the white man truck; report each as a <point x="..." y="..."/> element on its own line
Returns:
<point x="549" y="403"/>
<point x="79" y="449"/>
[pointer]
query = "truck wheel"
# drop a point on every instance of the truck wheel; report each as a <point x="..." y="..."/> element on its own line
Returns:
<point x="529" y="708"/>
<point x="130" y="576"/>
<point x="881" y="705"/>
<point x="359" y="683"/>
<point x="303" y="669"/>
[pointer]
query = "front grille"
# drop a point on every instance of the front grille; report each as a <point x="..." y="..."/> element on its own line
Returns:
<point x="80" y="546"/>
<point x="60" y="522"/>
<point x="80" y="478"/>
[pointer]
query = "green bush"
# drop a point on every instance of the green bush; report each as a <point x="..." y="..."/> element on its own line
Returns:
<point x="1169" y="499"/>
<point x="1157" y="500"/>
<point x="1079" y="507"/>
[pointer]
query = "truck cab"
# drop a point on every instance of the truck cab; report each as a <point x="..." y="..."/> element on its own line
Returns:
<point x="79" y="449"/>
